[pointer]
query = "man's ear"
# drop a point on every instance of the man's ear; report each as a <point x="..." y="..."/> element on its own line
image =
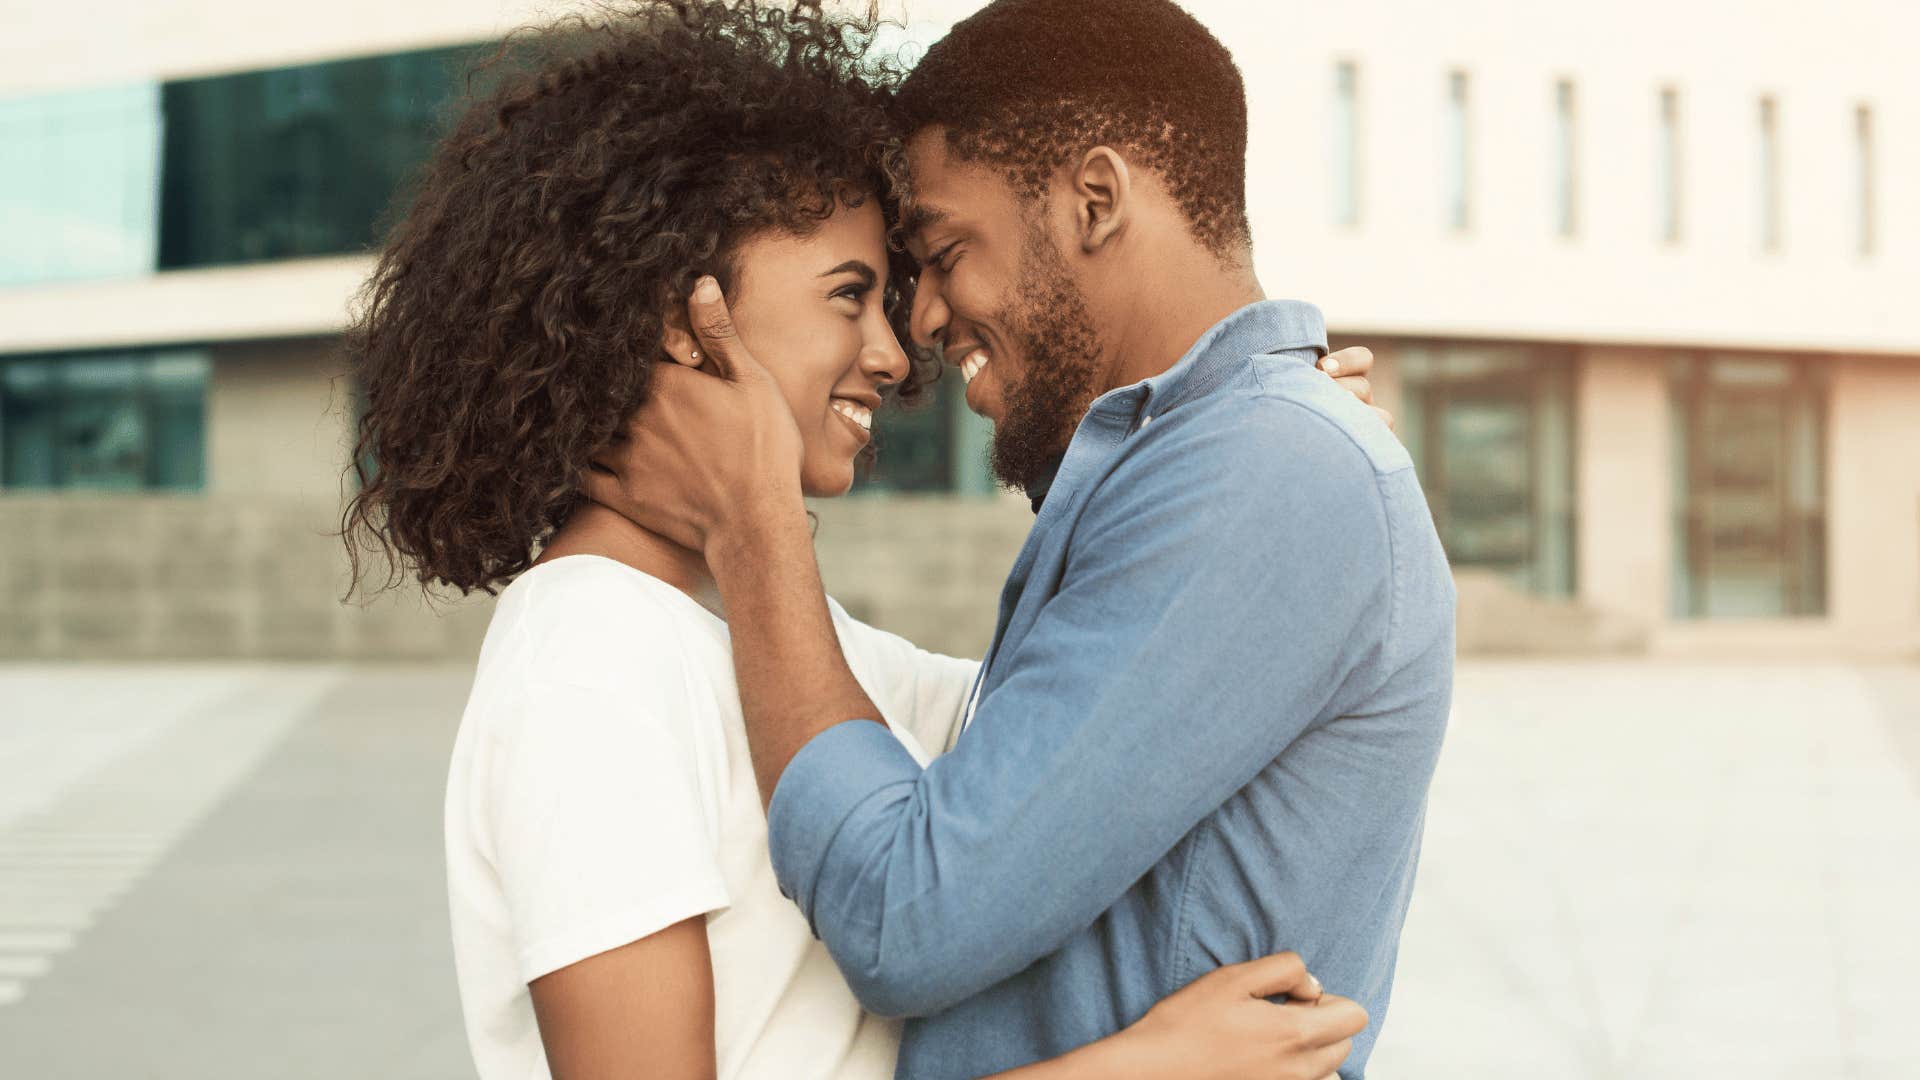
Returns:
<point x="1103" y="197"/>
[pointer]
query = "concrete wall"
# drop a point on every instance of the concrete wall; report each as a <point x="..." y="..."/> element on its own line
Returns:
<point x="1399" y="271"/>
<point x="1873" y="498"/>
<point x="1622" y="457"/>
<point x="249" y="568"/>
<point x="926" y="567"/>
<point x="278" y="414"/>
<point x="217" y="575"/>
<point x="90" y="576"/>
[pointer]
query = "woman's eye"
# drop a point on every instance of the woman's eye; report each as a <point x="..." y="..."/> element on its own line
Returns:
<point x="855" y="292"/>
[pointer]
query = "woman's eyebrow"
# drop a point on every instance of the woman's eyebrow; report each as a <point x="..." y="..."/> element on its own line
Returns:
<point x="855" y="266"/>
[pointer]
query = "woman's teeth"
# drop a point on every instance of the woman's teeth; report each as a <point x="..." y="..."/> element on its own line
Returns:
<point x="971" y="366"/>
<point x="855" y="412"/>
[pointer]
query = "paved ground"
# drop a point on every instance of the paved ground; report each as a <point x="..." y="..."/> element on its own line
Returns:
<point x="1632" y="870"/>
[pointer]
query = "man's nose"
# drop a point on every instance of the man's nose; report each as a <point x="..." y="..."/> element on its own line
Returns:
<point x="930" y="314"/>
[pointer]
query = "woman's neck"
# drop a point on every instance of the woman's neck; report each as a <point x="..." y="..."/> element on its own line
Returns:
<point x="595" y="530"/>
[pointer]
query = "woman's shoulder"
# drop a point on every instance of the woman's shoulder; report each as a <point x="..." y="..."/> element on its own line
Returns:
<point x="864" y="642"/>
<point x="590" y="621"/>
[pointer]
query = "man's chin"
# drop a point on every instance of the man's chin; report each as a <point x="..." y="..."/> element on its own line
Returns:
<point x="983" y="400"/>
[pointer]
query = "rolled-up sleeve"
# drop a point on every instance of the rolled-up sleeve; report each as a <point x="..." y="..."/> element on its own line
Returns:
<point x="853" y="767"/>
<point x="1217" y="596"/>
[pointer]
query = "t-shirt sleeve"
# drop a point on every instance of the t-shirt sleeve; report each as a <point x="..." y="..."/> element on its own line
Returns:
<point x="924" y="693"/>
<point x="602" y="829"/>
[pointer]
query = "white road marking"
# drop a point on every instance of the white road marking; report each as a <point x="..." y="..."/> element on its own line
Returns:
<point x="104" y="771"/>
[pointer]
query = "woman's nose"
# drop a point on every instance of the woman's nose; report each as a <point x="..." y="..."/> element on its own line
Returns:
<point x="883" y="360"/>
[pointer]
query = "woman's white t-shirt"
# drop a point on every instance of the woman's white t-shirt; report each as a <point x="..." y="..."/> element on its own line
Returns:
<point x="601" y="790"/>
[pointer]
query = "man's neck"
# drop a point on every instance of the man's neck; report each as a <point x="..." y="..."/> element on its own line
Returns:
<point x="1191" y="292"/>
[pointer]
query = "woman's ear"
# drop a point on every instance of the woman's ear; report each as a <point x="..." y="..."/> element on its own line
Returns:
<point x="677" y="341"/>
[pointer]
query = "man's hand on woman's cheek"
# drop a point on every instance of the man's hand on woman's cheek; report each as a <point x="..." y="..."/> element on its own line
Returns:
<point x="1349" y="368"/>
<point x="706" y="452"/>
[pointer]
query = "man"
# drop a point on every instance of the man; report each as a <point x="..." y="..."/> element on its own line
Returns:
<point x="1223" y="658"/>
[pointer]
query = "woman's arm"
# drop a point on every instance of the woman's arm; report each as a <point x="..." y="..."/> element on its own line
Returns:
<point x="643" y="1009"/>
<point x="646" y="1008"/>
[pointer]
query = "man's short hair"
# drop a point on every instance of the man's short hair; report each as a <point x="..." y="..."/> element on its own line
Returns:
<point x="1028" y="85"/>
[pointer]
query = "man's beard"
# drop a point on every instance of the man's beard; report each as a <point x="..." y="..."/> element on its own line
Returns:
<point x="1060" y="368"/>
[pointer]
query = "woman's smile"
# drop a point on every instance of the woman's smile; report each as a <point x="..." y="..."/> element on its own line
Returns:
<point x="857" y="416"/>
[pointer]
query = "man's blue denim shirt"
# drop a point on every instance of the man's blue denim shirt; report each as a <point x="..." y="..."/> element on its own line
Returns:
<point x="1204" y="733"/>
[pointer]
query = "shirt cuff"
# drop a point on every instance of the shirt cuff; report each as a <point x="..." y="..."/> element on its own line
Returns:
<point x="826" y="782"/>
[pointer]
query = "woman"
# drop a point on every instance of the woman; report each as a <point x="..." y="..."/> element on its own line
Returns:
<point x="614" y="912"/>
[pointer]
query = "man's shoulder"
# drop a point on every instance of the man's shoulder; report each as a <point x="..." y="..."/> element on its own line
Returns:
<point x="1282" y="394"/>
<point x="1275" y="422"/>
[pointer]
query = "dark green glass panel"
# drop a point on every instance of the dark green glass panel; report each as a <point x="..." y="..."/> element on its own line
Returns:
<point x="915" y="446"/>
<point x="299" y="161"/>
<point x="28" y="425"/>
<point x="118" y="422"/>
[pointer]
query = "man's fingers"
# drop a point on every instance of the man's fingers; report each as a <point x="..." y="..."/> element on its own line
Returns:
<point x="1357" y="385"/>
<point x="1328" y="1058"/>
<point x="1357" y="360"/>
<point x="1280" y="973"/>
<point x="1334" y="1019"/>
<point x="713" y="326"/>
<point x="1388" y="417"/>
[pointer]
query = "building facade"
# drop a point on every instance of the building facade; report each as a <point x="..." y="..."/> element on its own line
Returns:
<point x="1643" y="304"/>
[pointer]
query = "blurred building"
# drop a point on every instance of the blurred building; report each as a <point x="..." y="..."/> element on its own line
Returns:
<point x="1640" y="276"/>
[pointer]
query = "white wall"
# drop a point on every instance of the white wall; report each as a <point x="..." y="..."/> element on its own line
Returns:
<point x="1399" y="271"/>
<point x="293" y="298"/>
<point x="100" y="42"/>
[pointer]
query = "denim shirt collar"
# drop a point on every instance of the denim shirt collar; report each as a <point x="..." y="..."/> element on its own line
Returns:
<point x="1265" y="327"/>
<point x="1268" y="326"/>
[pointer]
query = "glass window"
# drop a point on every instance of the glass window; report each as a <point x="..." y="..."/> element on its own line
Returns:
<point x="1863" y="169"/>
<point x="1749" y="492"/>
<point x="274" y="164"/>
<point x="295" y="161"/>
<point x="1345" y="131"/>
<point x="78" y="200"/>
<point x="1490" y="429"/>
<point x="29" y="428"/>
<point x="1667" y="165"/>
<point x="1769" y="175"/>
<point x="104" y="421"/>
<point x="1566" y="165"/>
<point x="937" y="446"/>
<point x="1458" y="163"/>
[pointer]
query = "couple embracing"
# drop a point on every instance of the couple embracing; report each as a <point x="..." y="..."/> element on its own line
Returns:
<point x="655" y="283"/>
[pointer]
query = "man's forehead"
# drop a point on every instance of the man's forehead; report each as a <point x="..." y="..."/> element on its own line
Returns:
<point x="938" y="187"/>
<point x="917" y="215"/>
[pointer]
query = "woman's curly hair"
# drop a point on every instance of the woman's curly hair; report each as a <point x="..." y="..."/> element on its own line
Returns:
<point x="516" y="312"/>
